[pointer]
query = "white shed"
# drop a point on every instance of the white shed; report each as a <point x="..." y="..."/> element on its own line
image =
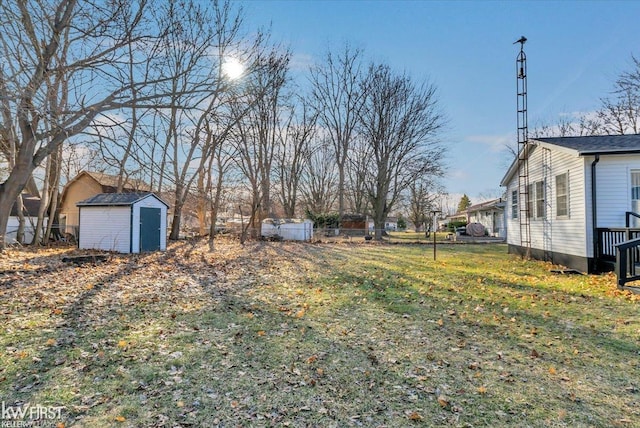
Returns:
<point x="123" y="222"/>
<point x="289" y="229"/>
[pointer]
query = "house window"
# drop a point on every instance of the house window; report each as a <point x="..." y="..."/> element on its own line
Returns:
<point x="514" y="204"/>
<point x="536" y="200"/>
<point x="635" y="195"/>
<point x="539" y="199"/>
<point x="562" y="195"/>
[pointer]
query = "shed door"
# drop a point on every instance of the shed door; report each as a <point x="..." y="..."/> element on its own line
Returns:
<point x="149" y="229"/>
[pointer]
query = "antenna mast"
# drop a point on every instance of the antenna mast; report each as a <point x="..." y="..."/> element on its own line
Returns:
<point x="524" y="201"/>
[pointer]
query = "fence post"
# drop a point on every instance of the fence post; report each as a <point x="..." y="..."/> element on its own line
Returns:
<point x="621" y="266"/>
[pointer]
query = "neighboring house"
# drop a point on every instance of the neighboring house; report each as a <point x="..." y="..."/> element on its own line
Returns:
<point x="457" y="217"/>
<point x="580" y="191"/>
<point x="390" y="224"/>
<point x="31" y="205"/>
<point x="490" y="214"/>
<point x="123" y="222"/>
<point x="83" y="186"/>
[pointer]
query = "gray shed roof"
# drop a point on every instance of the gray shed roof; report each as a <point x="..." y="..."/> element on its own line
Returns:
<point x="597" y="144"/>
<point x="112" y="199"/>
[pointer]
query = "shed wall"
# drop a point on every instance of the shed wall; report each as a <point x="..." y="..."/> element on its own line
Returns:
<point x="148" y="202"/>
<point x="105" y="228"/>
<point x="289" y="231"/>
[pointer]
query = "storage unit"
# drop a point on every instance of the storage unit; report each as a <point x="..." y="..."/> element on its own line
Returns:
<point x="288" y="230"/>
<point x="123" y="222"/>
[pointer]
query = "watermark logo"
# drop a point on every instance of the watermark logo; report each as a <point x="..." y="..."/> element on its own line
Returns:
<point x="28" y="415"/>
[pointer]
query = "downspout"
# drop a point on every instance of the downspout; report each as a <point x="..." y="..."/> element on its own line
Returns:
<point x="594" y="211"/>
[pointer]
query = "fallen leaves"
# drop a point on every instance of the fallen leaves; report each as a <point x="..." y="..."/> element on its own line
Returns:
<point x="402" y="344"/>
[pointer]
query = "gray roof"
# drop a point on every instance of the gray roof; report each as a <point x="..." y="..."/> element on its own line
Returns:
<point x="583" y="146"/>
<point x="597" y="144"/>
<point x="31" y="205"/>
<point x="111" y="199"/>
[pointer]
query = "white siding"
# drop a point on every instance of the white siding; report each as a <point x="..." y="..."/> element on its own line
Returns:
<point x="613" y="187"/>
<point x="491" y="219"/>
<point x="290" y="231"/>
<point x="105" y="228"/>
<point x="29" y="228"/>
<point x="565" y="235"/>
<point x="149" y="202"/>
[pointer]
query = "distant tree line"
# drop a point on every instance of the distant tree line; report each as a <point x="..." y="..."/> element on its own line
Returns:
<point x="142" y="90"/>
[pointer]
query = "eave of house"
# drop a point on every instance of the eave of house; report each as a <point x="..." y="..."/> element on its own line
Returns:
<point x="533" y="143"/>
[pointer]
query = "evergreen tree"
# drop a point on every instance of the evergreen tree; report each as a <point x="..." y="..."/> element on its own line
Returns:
<point x="464" y="203"/>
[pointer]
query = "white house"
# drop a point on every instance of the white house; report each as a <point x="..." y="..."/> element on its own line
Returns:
<point x="31" y="205"/>
<point x="579" y="192"/>
<point x="390" y="224"/>
<point x="123" y="222"/>
<point x="490" y="214"/>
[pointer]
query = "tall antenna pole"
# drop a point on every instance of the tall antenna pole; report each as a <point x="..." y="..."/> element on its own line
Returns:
<point x="524" y="201"/>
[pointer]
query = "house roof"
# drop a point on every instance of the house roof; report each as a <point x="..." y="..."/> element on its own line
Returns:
<point x="487" y="205"/>
<point x="31" y="206"/>
<point x="582" y="146"/>
<point x="117" y="199"/>
<point x="597" y="144"/>
<point x="111" y="181"/>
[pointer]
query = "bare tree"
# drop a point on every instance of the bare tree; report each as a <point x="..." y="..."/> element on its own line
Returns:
<point x="423" y="198"/>
<point x="400" y="122"/>
<point x="338" y="97"/>
<point x="219" y="165"/>
<point x="35" y="45"/>
<point x="193" y="55"/>
<point x="621" y="114"/>
<point x="293" y="153"/>
<point x="357" y="168"/>
<point x="319" y="180"/>
<point x="255" y="134"/>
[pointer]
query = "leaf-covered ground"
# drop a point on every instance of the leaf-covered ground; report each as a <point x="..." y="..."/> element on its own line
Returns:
<point x="286" y="334"/>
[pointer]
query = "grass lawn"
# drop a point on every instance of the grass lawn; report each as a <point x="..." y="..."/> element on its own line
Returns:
<point x="286" y="334"/>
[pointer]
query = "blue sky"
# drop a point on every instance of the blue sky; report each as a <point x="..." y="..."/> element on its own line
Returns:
<point x="575" y="51"/>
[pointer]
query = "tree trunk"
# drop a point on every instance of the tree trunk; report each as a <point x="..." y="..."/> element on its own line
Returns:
<point x="56" y="171"/>
<point x="12" y="187"/>
<point x="21" y="220"/>
<point x="44" y="201"/>
<point x="202" y="204"/>
<point x="175" y="224"/>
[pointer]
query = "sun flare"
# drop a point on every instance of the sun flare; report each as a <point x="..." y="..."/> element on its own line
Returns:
<point x="232" y="68"/>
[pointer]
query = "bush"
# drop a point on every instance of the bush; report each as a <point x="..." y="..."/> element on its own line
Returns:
<point x="402" y="224"/>
<point x="331" y="220"/>
<point x="456" y="224"/>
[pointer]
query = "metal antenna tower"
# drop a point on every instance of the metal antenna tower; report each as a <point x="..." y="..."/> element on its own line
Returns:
<point x="524" y="201"/>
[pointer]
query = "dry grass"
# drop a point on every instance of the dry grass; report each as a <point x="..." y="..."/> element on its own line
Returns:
<point x="285" y="334"/>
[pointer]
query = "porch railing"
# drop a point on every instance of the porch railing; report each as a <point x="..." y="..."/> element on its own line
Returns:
<point x="628" y="216"/>
<point x="627" y="262"/>
<point x="609" y="237"/>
